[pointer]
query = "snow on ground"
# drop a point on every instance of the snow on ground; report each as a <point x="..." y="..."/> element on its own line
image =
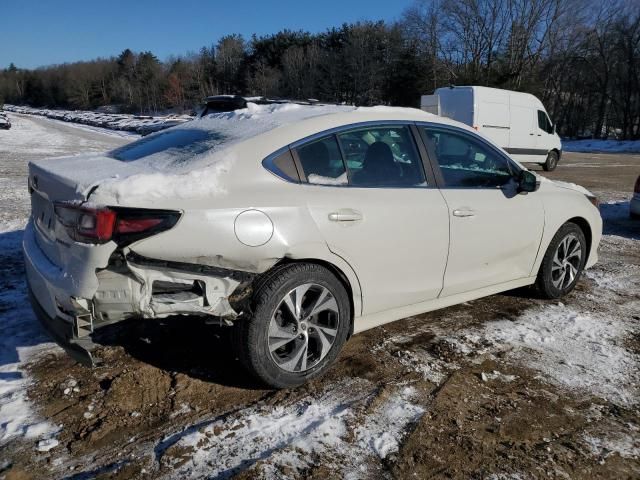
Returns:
<point x="577" y="350"/>
<point x="112" y="121"/>
<point x="290" y="436"/>
<point x="580" y="349"/>
<point x="601" y="146"/>
<point x="22" y="339"/>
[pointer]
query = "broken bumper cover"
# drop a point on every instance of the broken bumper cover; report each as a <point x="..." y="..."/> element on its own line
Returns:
<point x="62" y="331"/>
<point x="46" y="283"/>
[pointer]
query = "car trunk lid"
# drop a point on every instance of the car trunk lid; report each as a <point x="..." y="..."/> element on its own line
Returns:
<point x="67" y="179"/>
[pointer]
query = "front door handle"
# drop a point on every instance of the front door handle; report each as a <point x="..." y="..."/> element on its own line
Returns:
<point x="464" y="212"/>
<point x="345" y="215"/>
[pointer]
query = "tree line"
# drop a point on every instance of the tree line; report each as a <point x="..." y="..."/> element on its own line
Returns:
<point x="581" y="57"/>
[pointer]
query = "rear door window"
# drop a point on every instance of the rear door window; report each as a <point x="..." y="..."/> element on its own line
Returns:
<point x="382" y="156"/>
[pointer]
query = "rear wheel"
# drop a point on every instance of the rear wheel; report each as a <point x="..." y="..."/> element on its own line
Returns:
<point x="563" y="262"/>
<point x="301" y="320"/>
<point x="552" y="161"/>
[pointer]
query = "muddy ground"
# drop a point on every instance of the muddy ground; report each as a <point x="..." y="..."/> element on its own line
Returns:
<point x="171" y="400"/>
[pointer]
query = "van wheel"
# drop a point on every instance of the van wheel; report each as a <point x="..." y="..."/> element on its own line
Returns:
<point x="552" y="161"/>
<point x="563" y="263"/>
<point x="301" y="320"/>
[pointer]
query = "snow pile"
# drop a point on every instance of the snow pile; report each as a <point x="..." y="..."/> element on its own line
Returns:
<point x="123" y="122"/>
<point x="22" y="339"/>
<point x="601" y="146"/>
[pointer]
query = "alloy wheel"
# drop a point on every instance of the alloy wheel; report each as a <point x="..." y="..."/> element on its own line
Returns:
<point x="566" y="262"/>
<point x="303" y="328"/>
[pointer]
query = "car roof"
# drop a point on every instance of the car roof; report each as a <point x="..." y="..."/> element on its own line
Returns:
<point x="294" y="131"/>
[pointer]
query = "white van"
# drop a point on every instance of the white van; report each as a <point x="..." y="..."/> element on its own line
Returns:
<point x="516" y="121"/>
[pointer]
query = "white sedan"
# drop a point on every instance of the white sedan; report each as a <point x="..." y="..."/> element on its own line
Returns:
<point x="297" y="226"/>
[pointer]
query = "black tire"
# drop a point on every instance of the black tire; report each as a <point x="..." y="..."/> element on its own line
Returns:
<point x="552" y="161"/>
<point x="548" y="281"/>
<point x="252" y="335"/>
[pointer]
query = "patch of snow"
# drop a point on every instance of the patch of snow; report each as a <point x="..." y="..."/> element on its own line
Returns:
<point x="293" y="435"/>
<point x="383" y="430"/>
<point x="627" y="445"/>
<point x="231" y="445"/>
<point x="46" y="445"/>
<point x="601" y="146"/>
<point x="204" y="182"/>
<point x="577" y="350"/>
<point x="22" y="339"/>
<point x="496" y="375"/>
<point x="320" y="180"/>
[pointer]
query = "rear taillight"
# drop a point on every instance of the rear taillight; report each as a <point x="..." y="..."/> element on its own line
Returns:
<point x="102" y="224"/>
<point x="636" y="189"/>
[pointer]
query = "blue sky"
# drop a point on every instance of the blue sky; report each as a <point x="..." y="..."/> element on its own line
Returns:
<point x="36" y="33"/>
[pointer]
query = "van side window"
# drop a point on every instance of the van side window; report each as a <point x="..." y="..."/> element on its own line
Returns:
<point x="466" y="162"/>
<point x="544" y="123"/>
<point x="382" y="156"/>
<point x="322" y="163"/>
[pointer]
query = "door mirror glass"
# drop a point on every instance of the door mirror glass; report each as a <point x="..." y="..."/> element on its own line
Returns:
<point x="528" y="182"/>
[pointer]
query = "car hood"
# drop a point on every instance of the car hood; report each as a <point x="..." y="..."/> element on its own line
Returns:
<point x="567" y="185"/>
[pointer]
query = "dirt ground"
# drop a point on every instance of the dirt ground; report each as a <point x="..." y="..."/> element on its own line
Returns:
<point x="171" y="400"/>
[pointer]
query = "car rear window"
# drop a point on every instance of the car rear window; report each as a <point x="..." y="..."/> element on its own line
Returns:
<point x="179" y="145"/>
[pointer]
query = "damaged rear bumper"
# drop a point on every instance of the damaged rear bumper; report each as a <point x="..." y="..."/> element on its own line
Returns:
<point x="132" y="287"/>
<point x="63" y="333"/>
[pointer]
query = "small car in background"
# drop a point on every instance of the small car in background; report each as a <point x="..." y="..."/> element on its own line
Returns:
<point x="634" y="204"/>
<point x="5" y="123"/>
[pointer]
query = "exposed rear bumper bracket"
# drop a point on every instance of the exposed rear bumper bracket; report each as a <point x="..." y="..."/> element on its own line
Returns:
<point x="65" y="334"/>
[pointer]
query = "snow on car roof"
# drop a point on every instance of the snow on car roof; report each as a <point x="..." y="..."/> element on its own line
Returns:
<point x="194" y="158"/>
<point x="195" y="143"/>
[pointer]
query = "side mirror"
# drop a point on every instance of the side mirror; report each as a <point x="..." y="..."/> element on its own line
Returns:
<point x="554" y="128"/>
<point x="527" y="182"/>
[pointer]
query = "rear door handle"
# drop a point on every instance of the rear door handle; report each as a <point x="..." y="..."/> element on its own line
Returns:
<point x="464" y="212"/>
<point x="345" y="215"/>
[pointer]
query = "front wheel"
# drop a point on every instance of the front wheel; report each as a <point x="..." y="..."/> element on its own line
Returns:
<point x="563" y="262"/>
<point x="552" y="161"/>
<point x="301" y="320"/>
